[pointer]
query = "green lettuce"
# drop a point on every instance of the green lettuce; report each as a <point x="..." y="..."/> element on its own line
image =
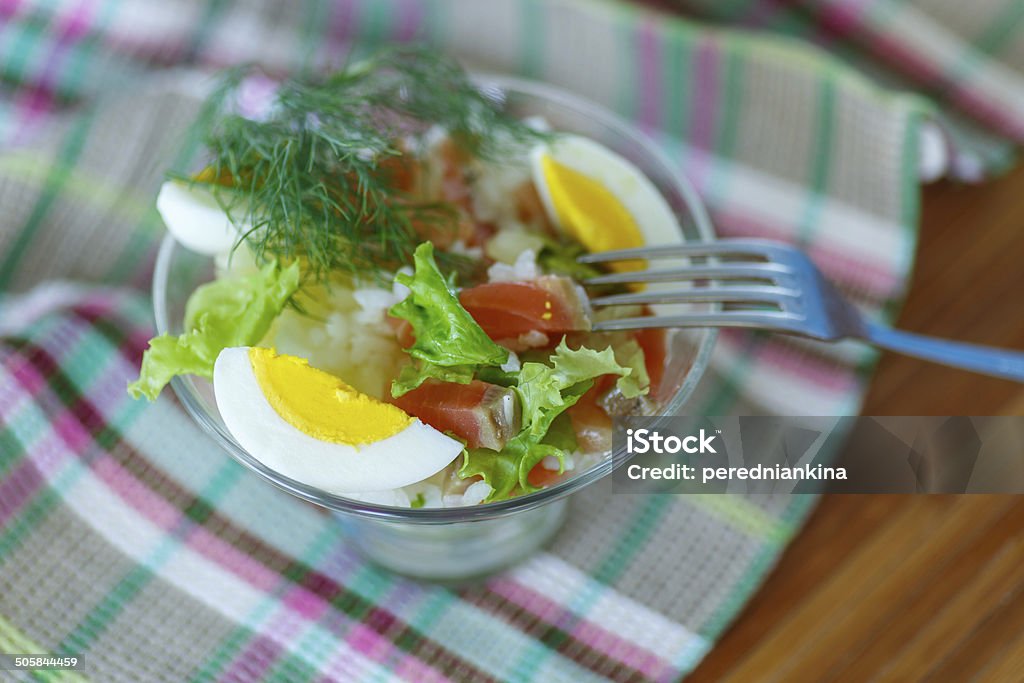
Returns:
<point x="560" y="257"/>
<point x="416" y="374"/>
<point x="630" y="354"/>
<point x="224" y="313"/>
<point x="546" y="391"/>
<point x="449" y="345"/>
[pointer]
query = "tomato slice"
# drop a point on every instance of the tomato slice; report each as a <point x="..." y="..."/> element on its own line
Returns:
<point x="506" y="310"/>
<point x="484" y="415"/>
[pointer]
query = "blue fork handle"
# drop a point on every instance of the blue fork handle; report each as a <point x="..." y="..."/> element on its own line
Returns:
<point x="983" y="359"/>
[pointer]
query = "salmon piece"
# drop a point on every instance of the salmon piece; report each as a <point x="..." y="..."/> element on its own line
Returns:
<point x="402" y="329"/>
<point x="505" y="310"/>
<point x="654" y="343"/>
<point x="542" y="477"/>
<point x="483" y="415"/>
<point x="592" y="424"/>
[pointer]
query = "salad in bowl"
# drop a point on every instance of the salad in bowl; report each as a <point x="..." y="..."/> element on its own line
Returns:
<point x="396" y="314"/>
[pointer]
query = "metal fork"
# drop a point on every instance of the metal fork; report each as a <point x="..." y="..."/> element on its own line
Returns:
<point x="772" y="286"/>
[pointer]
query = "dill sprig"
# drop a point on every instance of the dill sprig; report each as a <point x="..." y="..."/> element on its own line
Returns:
<point x="317" y="177"/>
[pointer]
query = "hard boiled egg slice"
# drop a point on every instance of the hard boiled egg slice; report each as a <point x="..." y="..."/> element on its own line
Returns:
<point x="312" y="427"/>
<point x="195" y="218"/>
<point x="599" y="197"/>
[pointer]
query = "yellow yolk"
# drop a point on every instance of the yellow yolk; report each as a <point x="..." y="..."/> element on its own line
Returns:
<point x="588" y="211"/>
<point x="321" y="405"/>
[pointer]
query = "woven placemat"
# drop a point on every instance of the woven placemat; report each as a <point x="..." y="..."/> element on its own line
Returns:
<point x="128" y="537"/>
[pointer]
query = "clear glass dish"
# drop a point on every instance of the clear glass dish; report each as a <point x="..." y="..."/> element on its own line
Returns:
<point x="457" y="543"/>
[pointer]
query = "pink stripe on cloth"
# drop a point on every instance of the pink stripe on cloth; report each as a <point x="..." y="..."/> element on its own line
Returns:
<point x="252" y="663"/>
<point x="411" y="15"/>
<point x="851" y="17"/>
<point x="343" y="19"/>
<point x="65" y="427"/>
<point x="136" y="493"/>
<point x="297" y="609"/>
<point x="9" y="8"/>
<point x="408" y="668"/>
<point x="373" y="641"/>
<point x="586" y="632"/>
<point x="262" y="652"/>
<point x="158" y="511"/>
<point x="75" y="24"/>
<point x="17" y="487"/>
<point x="875" y="280"/>
<point x="40" y="99"/>
<point x="300" y="601"/>
<point x="135" y="339"/>
<point x="707" y="64"/>
<point x="650" y="62"/>
<point x="46" y="453"/>
<point x="378" y="647"/>
<point x="800" y="364"/>
<point x="167" y="516"/>
<point x="31" y="380"/>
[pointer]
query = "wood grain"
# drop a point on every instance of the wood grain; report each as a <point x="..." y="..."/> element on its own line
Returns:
<point x="912" y="588"/>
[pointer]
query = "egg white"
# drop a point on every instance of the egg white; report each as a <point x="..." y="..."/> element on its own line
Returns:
<point x="411" y="455"/>
<point x="195" y="218"/>
<point x="652" y="213"/>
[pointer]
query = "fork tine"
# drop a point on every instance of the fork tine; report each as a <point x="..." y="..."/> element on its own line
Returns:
<point x="737" y="247"/>
<point x="770" y="320"/>
<point x="731" y="271"/>
<point x="775" y="295"/>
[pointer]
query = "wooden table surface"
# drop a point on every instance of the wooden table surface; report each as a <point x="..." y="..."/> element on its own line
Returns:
<point x="912" y="588"/>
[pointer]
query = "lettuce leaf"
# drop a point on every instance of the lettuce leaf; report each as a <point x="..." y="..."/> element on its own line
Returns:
<point x="220" y="314"/>
<point x="414" y="375"/>
<point x="546" y="392"/>
<point x="631" y="355"/>
<point x="544" y="388"/>
<point x="449" y="344"/>
<point x="560" y="258"/>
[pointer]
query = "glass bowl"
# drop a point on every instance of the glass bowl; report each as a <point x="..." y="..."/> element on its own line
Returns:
<point x="458" y="543"/>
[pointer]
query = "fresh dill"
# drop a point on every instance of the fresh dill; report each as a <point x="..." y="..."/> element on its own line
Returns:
<point x="318" y="177"/>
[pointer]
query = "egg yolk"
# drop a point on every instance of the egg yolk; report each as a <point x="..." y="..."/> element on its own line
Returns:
<point x="587" y="210"/>
<point x="321" y="405"/>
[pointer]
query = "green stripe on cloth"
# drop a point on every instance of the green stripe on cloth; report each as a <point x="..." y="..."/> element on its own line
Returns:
<point x="794" y="515"/>
<point x="82" y="53"/>
<point x="29" y="517"/>
<point x="821" y="163"/>
<point x="13" y="641"/>
<point x="368" y="581"/>
<point x="82" y="186"/>
<point x="101" y="615"/>
<point x="532" y="37"/>
<point x="435" y="20"/>
<point x="734" y="82"/>
<point x="1002" y="30"/>
<point x="997" y="35"/>
<point x="72" y="147"/>
<point x="22" y="46"/>
<point x="621" y="553"/>
<point x="374" y="21"/>
<point x="676" y="83"/>
<point x="315" y="28"/>
<point x="212" y="12"/>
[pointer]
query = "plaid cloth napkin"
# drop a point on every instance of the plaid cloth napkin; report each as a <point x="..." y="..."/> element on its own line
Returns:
<point x="128" y="537"/>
